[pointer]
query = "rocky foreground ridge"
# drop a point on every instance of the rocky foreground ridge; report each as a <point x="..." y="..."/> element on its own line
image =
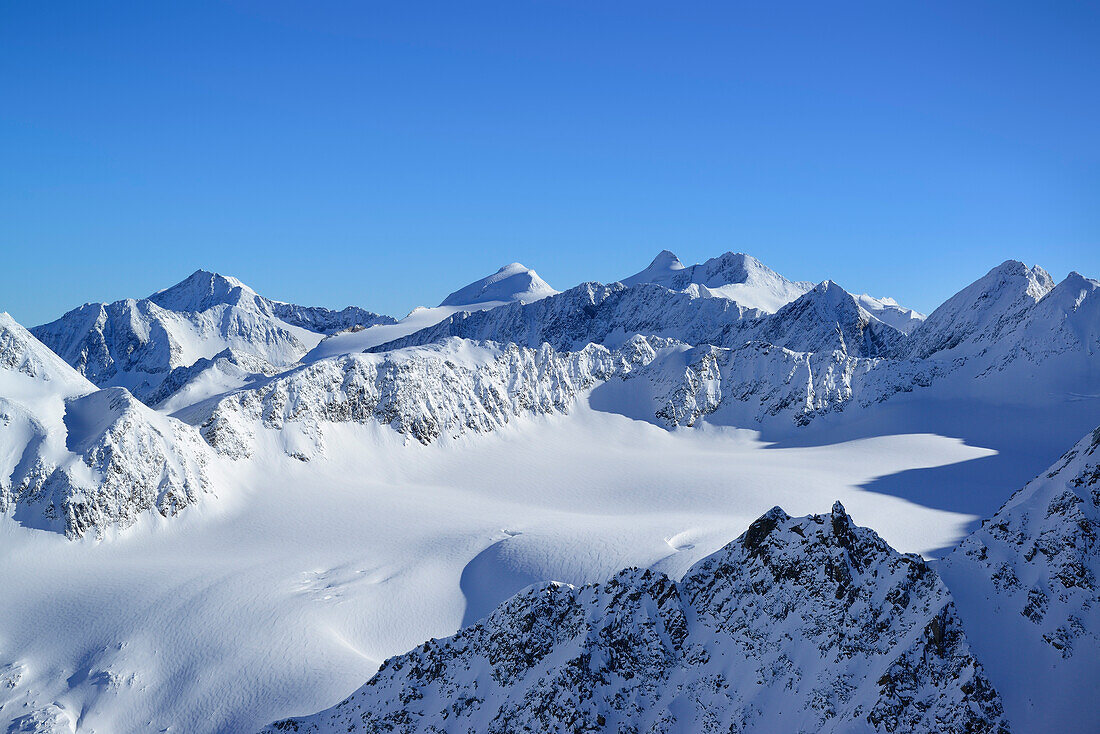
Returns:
<point x="808" y="624"/>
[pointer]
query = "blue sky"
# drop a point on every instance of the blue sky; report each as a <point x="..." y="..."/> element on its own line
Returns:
<point x="385" y="154"/>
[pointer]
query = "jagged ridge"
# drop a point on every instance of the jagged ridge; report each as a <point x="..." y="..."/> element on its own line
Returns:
<point x="801" y="624"/>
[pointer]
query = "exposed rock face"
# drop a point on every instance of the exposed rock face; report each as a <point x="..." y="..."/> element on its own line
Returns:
<point x="137" y="343"/>
<point x="121" y="459"/>
<point x="1031" y="575"/>
<point x="425" y="393"/>
<point x="802" y="624"/>
<point x="457" y="386"/>
<point x="326" y="321"/>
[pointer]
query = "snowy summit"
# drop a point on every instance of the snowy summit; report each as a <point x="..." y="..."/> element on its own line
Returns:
<point x="513" y="282"/>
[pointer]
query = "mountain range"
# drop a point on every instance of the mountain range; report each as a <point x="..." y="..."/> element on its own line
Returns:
<point x="183" y="422"/>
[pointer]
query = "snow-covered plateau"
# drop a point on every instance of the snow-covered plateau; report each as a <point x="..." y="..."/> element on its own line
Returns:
<point x="533" y="510"/>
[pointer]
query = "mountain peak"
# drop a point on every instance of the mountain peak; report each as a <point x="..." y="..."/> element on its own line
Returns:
<point x="659" y="270"/>
<point x="733" y="275"/>
<point x="513" y="282"/>
<point x="201" y="290"/>
<point x="1000" y="296"/>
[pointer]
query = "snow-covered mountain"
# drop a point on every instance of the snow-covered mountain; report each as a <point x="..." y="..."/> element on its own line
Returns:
<point x="801" y="624"/>
<point x="1029" y="579"/>
<point x="136" y="343"/>
<point x="828" y="319"/>
<point x="79" y="460"/>
<point x="513" y="282"/>
<point x="590" y="313"/>
<point x="670" y="357"/>
<point x="360" y="487"/>
<point x="977" y="314"/>
<point x="821" y="320"/>
<point x="734" y="275"/>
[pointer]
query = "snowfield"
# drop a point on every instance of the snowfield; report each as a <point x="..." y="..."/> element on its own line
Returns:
<point x="302" y="496"/>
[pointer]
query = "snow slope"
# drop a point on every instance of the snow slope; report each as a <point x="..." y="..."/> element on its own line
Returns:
<point x="974" y="315"/>
<point x="807" y="624"/>
<point x="1029" y="579"/>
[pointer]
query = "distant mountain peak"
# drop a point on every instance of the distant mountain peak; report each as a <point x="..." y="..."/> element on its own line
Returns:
<point x="659" y="270"/>
<point x="998" y="298"/>
<point x="201" y="290"/>
<point x="513" y="282"/>
<point x="733" y="275"/>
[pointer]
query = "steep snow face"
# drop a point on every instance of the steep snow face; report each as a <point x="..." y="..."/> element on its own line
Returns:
<point x="890" y="312"/>
<point x="1017" y="337"/>
<point x="807" y="624"/>
<point x="74" y="459"/>
<point x="135" y="344"/>
<point x="1030" y="578"/>
<point x="203" y="290"/>
<point x="974" y="316"/>
<point x="734" y="275"/>
<point x="28" y="368"/>
<point x="446" y="389"/>
<point x="513" y="282"/>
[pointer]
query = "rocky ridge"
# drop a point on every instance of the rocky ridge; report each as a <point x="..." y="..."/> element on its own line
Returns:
<point x="806" y="624"/>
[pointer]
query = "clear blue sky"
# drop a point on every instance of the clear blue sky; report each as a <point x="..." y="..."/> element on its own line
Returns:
<point x="385" y="154"/>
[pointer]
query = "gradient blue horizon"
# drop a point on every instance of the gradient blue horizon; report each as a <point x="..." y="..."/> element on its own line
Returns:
<point x="337" y="153"/>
